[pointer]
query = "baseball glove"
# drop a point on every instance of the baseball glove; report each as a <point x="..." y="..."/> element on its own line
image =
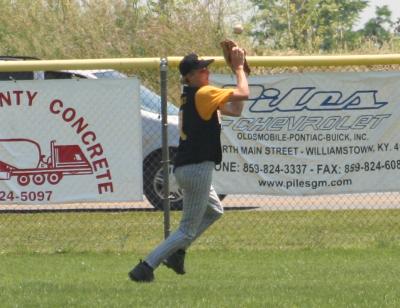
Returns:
<point x="227" y="46"/>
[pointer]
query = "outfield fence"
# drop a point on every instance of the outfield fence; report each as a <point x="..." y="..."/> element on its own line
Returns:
<point x="116" y="226"/>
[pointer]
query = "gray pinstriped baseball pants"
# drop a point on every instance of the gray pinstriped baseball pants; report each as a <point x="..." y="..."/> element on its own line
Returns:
<point x="201" y="208"/>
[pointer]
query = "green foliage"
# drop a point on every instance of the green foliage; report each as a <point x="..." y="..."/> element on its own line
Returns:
<point x="306" y="25"/>
<point x="62" y="29"/>
<point x="106" y="28"/>
<point x="377" y="28"/>
<point x="65" y="29"/>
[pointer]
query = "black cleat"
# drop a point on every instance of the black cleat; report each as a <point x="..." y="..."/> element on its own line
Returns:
<point x="142" y="273"/>
<point x="176" y="262"/>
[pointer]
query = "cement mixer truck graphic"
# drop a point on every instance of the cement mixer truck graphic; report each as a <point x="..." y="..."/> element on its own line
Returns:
<point x="23" y="159"/>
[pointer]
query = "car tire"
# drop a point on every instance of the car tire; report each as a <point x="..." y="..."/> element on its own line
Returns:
<point x="153" y="182"/>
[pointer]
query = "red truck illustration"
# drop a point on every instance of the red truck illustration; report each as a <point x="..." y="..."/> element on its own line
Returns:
<point x="23" y="159"/>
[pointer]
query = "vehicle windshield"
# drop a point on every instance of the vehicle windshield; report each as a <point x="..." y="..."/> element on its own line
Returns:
<point x="150" y="100"/>
<point x="110" y="74"/>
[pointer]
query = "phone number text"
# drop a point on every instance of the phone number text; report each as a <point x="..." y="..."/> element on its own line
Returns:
<point x="275" y="169"/>
<point x="371" y="166"/>
<point x="25" y="196"/>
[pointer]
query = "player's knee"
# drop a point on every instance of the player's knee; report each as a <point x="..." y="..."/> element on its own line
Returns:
<point x="188" y="235"/>
<point x="217" y="213"/>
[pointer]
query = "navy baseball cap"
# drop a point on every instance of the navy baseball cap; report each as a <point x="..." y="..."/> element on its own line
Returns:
<point x="192" y="62"/>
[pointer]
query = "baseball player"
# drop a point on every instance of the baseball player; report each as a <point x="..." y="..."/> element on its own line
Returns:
<point x="198" y="152"/>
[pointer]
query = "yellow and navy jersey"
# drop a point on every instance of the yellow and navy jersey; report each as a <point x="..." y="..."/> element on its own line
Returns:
<point x="199" y="125"/>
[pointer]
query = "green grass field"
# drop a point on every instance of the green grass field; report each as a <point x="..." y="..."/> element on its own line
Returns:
<point x="315" y="259"/>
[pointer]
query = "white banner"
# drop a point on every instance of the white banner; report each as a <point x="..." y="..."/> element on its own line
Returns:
<point x="70" y="141"/>
<point x="314" y="133"/>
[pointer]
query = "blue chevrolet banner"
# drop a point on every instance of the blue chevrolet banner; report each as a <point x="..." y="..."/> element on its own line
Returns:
<point x="313" y="133"/>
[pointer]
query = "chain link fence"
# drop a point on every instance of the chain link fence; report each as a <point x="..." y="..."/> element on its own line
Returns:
<point x="255" y="221"/>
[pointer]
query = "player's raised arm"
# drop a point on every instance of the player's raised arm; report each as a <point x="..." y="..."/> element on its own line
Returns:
<point x="237" y="62"/>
